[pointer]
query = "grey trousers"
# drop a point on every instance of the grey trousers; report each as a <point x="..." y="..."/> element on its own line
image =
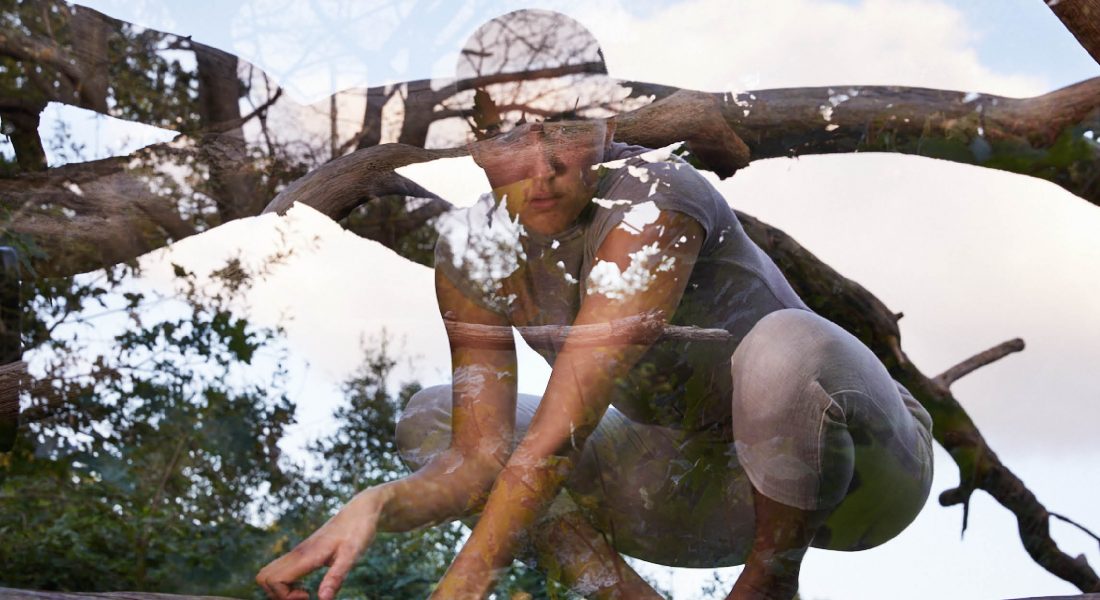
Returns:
<point x="818" y="423"/>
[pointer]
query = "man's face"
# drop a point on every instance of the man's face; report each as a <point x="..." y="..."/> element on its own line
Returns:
<point x="544" y="171"/>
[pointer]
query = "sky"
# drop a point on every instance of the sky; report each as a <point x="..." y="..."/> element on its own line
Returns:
<point x="972" y="257"/>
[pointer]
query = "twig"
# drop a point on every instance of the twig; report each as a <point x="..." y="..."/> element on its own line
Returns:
<point x="646" y="328"/>
<point x="1077" y="525"/>
<point x="224" y="126"/>
<point x="977" y="361"/>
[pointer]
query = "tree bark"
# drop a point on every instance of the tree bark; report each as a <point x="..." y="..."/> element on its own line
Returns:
<point x="1043" y="136"/>
<point x="233" y="181"/>
<point x="90" y="33"/>
<point x="21" y="125"/>
<point x="848" y="304"/>
<point x="86" y="216"/>
<point x="1082" y="19"/>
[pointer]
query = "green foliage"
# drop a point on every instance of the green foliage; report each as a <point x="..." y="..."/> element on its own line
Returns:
<point x="362" y="452"/>
<point x="359" y="453"/>
<point x="145" y="463"/>
<point x="152" y="460"/>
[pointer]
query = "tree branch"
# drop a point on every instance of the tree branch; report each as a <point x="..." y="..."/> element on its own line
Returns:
<point x="851" y="306"/>
<point x="239" y="122"/>
<point x="978" y="361"/>
<point x="1041" y="136"/>
<point x="1082" y="19"/>
<point x="84" y="216"/>
<point x="34" y="49"/>
<point x="1079" y="526"/>
<point x="339" y="186"/>
<point x="640" y="329"/>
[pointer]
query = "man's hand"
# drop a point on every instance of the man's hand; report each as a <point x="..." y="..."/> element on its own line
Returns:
<point x="337" y="544"/>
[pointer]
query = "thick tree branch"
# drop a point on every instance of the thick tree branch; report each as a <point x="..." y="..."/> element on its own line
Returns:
<point x="339" y="186"/>
<point x="1043" y="136"/>
<point x="34" y="49"/>
<point x="84" y="216"/>
<point x="91" y="31"/>
<point x="1082" y="19"/>
<point x="693" y="117"/>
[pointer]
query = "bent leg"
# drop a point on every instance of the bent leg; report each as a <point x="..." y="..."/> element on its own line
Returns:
<point x="819" y="424"/>
<point x="838" y="453"/>
<point x="564" y="543"/>
<point x="663" y="495"/>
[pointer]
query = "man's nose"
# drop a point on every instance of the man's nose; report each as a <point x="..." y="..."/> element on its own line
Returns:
<point x="545" y="164"/>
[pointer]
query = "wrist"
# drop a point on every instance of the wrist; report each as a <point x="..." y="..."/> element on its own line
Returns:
<point x="380" y="499"/>
<point x="376" y="497"/>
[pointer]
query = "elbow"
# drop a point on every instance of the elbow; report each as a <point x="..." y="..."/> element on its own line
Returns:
<point x="483" y="465"/>
<point x="472" y="475"/>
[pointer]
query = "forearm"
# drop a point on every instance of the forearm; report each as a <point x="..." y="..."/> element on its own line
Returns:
<point x="523" y="490"/>
<point x="535" y="472"/>
<point x="450" y="486"/>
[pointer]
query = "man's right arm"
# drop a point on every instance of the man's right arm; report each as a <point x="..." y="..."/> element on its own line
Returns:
<point x="453" y="484"/>
<point x="456" y="481"/>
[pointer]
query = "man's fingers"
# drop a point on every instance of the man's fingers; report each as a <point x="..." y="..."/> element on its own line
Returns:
<point x="278" y="577"/>
<point x="341" y="565"/>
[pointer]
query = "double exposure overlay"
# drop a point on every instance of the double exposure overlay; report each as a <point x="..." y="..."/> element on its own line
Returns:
<point x="715" y="394"/>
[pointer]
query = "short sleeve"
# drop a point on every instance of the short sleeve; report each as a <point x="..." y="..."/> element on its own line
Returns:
<point x="641" y="189"/>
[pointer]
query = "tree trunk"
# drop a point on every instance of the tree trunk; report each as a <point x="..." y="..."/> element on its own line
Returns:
<point x="90" y="32"/>
<point x="233" y="182"/>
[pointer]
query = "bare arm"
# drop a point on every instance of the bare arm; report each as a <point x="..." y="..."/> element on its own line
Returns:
<point x="453" y="484"/>
<point x="577" y="395"/>
<point x="456" y="482"/>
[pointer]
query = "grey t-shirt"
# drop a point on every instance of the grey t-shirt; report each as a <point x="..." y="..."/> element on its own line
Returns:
<point x="533" y="279"/>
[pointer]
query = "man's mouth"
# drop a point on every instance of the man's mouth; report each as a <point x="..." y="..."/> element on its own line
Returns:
<point x="542" y="201"/>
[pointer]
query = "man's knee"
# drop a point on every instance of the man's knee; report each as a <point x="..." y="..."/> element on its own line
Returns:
<point x="424" y="427"/>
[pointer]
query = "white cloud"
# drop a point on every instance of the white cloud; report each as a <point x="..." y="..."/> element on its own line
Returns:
<point x="716" y="45"/>
<point x="972" y="257"/>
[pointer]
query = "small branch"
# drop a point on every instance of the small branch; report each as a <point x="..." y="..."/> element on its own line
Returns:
<point x="592" y="68"/>
<point x="235" y="123"/>
<point x="1077" y="525"/>
<point x="640" y="329"/>
<point x="978" y="361"/>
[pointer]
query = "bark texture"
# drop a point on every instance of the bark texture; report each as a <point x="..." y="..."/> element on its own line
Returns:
<point x="1082" y="18"/>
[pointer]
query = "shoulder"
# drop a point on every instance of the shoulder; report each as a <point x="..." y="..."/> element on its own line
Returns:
<point x="644" y="183"/>
<point x="477" y="249"/>
<point x="633" y="172"/>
